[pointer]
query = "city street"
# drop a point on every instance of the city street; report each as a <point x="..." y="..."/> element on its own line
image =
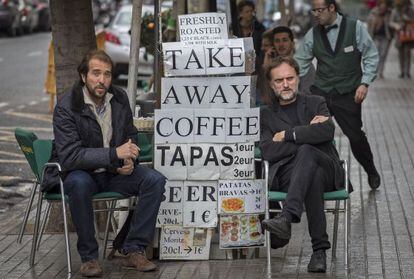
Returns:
<point x="23" y="103"/>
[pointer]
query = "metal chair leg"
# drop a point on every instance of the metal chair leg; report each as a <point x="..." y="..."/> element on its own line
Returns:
<point x="65" y="225"/>
<point x="335" y="230"/>
<point x="36" y="230"/>
<point x="347" y="225"/>
<point x="43" y="226"/>
<point x="27" y="212"/>
<point x="108" y="221"/>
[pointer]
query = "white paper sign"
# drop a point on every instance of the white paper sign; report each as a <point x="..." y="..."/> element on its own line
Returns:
<point x="181" y="126"/>
<point x="204" y="162"/>
<point x="171" y="208"/>
<point x="242" y="163"/>
<point x="203" y="28"/>
<point x="242" y="230"/>
<point x="207" y="92"/>
<point x="178" y="243"/>
<point x="200" y="204"/>
<point x="171" y="160"/>
<point x="241" y="196"/>
<point x="231" y="56"/>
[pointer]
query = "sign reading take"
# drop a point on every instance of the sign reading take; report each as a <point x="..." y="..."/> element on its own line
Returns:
<point x="202" y="29"/>
<point x="211" y="92"/>
<point x="229" y="57"/>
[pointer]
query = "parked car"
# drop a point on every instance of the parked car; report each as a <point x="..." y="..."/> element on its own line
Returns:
<point x="10" y="18"/>
<point x="43" y="10"/>
<point x="29" y="16"/>
<point x="117" y="44"/>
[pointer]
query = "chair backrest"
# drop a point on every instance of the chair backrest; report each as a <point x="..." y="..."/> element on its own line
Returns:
<point x="145" y="144"/>
<point x="43" y="151"/>
<point x="25" y="140"/>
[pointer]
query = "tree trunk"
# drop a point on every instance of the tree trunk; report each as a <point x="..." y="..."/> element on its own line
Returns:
<point x="73" y="36"/>
<point x="198" y="6"/>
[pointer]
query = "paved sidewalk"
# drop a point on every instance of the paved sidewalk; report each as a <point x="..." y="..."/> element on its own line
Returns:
<point x="382" y="224"/>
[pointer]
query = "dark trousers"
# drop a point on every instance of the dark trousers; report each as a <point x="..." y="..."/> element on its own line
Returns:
<point x="347" y="114"/>
<point x="145" y="183"/>
<point x="305" y="179"/>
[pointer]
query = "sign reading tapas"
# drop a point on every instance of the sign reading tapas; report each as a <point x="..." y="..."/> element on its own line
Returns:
<point x="241" y="196"/>
<point x="203" y="28"/>
<point x="205" y="161"/>
<point x="180" y="243"/>
<point x="241" y="230"/>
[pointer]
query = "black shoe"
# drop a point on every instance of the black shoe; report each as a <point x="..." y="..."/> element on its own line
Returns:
<point x="374" y="180"/>
<point x="279" y="226"/>
<point x="317" y="262"/>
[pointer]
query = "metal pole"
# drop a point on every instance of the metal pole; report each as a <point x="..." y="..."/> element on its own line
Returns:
<point x="134" y="53"/>
<point x="158" y="41"/>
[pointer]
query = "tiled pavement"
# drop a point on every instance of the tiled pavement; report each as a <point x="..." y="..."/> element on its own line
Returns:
<point x="382" y="224"/>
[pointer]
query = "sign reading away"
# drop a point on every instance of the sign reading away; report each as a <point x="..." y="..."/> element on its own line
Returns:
<point x="202" y="29"/>
<point x="241" y="196"/>
<point x="180" y="243"/>
<point x="210" y="92"/>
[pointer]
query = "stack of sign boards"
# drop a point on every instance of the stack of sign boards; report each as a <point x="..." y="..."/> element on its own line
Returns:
<point x="204" y="141"/>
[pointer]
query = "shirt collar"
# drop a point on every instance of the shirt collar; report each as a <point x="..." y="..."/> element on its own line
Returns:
<point x="88" y="100"/>
<point x="337" y="21"/>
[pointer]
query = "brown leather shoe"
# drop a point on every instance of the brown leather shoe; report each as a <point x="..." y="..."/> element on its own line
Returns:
<point x="138" y="261"/>
<point x="91" y="269"/>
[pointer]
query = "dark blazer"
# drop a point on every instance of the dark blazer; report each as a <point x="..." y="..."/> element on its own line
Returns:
<point x="320" y="135"/>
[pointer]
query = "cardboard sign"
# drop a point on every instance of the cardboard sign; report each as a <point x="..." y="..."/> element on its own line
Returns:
<point x="231" y="56"/>
<point x="171" y="160"/>
<point x="205" y="161"/>
<point x="171" y="208"/>
<point x="241" y="196"/>
<point x="212" y="92"/>
<point x="243" y="230"/>
<point x="183" y="126"/>
<point x="200" y="204"/>
<point x="178" y="243"/>
<point x="203" y="28"/>
<point x="242" y="163"/>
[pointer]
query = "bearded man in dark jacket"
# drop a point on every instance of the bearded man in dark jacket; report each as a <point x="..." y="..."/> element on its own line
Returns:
<point x="96" y="147"/>
<point x="296" y="138"/>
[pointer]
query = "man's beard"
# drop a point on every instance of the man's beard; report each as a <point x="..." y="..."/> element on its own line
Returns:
<point x="95" y="93"/>
<point x="287" y="97"/>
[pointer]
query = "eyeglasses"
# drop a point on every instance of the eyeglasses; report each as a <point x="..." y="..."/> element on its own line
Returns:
<point x="318" y="10"/>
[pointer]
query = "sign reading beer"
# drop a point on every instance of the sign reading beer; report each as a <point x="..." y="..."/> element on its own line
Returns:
<point x="205" y="161"/>
<point x="241" y="196"/>
<point x="171" y="208"/>
<point x="214" y="125"/>
<point x="212" y="92"/>
<point x="200" y="204"/>
<point x="202" y="29"/>
<point x="180" y="243"/>
<point x="231" y="56"/>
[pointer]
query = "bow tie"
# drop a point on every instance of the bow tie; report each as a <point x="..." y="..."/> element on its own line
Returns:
<point x="329" y="28"/>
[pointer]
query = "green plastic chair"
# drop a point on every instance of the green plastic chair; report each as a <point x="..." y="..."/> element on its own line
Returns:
<point x="336" y="196"/>
<point x="25" y="140"/>
<point x="43" y="150"/>
<point x="145" y="144"/>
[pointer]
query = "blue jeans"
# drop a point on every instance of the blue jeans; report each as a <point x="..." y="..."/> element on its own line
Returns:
<point x="145" y="183"/>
